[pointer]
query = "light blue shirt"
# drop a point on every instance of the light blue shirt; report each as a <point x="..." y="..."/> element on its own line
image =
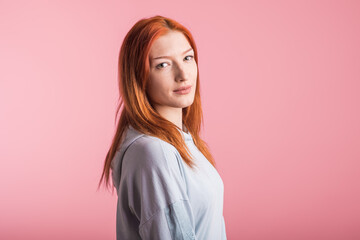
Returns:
<point x="160" y="197"/>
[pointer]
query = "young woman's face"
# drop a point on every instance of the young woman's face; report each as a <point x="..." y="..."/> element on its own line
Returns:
<point x="172" y="66"/>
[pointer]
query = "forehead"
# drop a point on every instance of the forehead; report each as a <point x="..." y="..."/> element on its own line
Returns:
<point x="172" y="43"/>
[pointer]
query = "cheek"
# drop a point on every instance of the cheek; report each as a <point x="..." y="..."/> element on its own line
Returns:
<point x="156" y="84"/>
<point x="194" y="70"/>
<point x="150" y="88"/>
<point x="154" y="81"/>
<point x="156" y="87"/>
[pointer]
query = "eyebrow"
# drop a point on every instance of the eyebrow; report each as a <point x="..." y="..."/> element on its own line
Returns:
<point x="169" y="57"/>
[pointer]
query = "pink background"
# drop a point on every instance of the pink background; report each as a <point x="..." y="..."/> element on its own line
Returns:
<point x="280" y="87"/>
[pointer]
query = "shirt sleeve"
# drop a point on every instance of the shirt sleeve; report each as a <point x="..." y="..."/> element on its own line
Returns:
<point x="157" y="193"/>
<point x="173" y="222"/>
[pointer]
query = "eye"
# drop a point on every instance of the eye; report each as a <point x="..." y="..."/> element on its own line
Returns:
<point x="190" y="56"/>
<point x="159" y="66"/>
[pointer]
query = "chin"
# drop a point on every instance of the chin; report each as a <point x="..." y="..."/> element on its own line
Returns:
<point x="188" y="103"/>
<point x="182" y="104"/>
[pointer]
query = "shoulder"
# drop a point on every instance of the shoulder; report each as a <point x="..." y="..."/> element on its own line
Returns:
<point x="150" y="152"/>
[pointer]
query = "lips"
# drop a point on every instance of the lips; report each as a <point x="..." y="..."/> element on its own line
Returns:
<point x="182" y="88"/>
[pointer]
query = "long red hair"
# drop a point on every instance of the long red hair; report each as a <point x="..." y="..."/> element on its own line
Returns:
<point x="136" y="110"/>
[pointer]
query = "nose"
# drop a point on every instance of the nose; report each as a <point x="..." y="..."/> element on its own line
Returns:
<point x="181" y="73"/>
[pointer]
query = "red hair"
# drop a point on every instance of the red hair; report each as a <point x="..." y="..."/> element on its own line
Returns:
<point x="136" y="109"/>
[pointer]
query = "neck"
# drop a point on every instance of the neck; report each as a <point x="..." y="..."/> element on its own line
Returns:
<point x="173" y="115"/>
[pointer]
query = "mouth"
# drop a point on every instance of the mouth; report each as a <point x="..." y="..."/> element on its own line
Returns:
<point x="183" y="88"/>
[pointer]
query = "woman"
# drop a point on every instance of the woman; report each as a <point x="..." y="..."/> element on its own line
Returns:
<point x="164" y="173"/>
